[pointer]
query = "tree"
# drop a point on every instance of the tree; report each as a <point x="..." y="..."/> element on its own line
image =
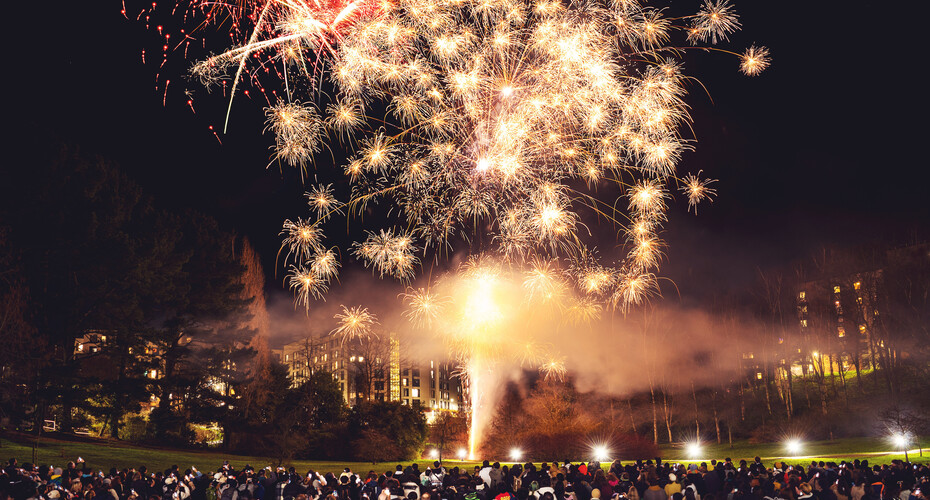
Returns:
<point x="205" y="339"/>
<point x="91" y="260"/>
<point x="557" y="422"/>
<point x="374" y="446"/>
<point x="449" y="430"/>
<point x="904" y="425"/>
<point x="20" y="356"/>
<point x="403" y="424"/>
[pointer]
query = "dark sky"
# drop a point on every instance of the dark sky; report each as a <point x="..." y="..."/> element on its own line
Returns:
<point x="822" y="148"/>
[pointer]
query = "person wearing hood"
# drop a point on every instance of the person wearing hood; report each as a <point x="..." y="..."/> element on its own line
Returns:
<point x="654" y="492"/>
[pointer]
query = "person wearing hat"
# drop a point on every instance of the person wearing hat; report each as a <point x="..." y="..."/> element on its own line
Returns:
<point x="673" y="485"/>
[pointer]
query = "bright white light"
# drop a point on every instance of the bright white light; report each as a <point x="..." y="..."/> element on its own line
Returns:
<point x="434" y="453"/>
<point x="516" y="454"/>
<point x="694" y="450"/>
<point x="601" y="453"/>
<point x="899" y="440"/>
<point x="483" y="165"/>
<point x="506" y="91"/>
<point x="793" y="446"/>
<point x="462" y="454"/>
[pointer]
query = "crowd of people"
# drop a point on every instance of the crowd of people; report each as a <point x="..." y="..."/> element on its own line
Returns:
<point x="642" y="480"/>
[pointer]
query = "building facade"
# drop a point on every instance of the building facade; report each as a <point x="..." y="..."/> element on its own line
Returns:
<point x="375" y="369"/>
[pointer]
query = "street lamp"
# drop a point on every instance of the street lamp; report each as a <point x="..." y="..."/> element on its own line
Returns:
<point x="694" y="449"/>
<point x="601" y="453"/>
<point x="516" y="454"/>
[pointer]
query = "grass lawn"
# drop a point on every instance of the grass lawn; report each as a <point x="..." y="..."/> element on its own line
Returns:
<point x="106" y="454"/>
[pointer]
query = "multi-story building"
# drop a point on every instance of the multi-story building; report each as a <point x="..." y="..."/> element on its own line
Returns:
<point x="837" y="315"/>
<point x="374" y="369"/>
<point x="842" y="315"/>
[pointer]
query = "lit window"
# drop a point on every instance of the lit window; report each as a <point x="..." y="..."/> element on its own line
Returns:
<point x="352" y="359"/>
<point x="361" y="359"/>
<point x="80" y="347"/>
<point x="862" y="328"/>
<point x="841" y="331"/>
<point x="287" y="357"/>
<point x="836" y="289"/>
<point x="415" y="393"/>
<point x="403" y="382"/>
<point x="857" y="285"/>
<point x="803" y="323"/>
<point x="759" y="375"/>
<point x="802" y="295"/>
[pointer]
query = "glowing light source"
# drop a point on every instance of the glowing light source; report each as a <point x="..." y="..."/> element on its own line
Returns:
<point x="516" y="454"/>
<point x="601" y="453"/>
<point x="694" y="449"/>
<point x="434" y="454"/>
<point x="793" y="446"/>
<point x="900" y="440"/>
<point x="462" y="454"/>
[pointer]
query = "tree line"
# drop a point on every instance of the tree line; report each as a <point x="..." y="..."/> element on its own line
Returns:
<point x="111" y="304"/>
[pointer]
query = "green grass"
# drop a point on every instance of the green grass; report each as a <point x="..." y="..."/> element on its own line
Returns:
<point x="105" y="454"/>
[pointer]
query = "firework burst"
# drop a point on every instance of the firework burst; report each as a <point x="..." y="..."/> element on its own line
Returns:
<point x="554" y="370"/>
<point x="355" y="323"/>
<point x="500" y="116"/>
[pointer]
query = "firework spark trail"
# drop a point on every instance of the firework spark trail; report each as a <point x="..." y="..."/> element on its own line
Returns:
<point x="482" y="317"/>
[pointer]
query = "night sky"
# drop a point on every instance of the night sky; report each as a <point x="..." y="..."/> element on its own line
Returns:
<point x="822" y="148"/>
